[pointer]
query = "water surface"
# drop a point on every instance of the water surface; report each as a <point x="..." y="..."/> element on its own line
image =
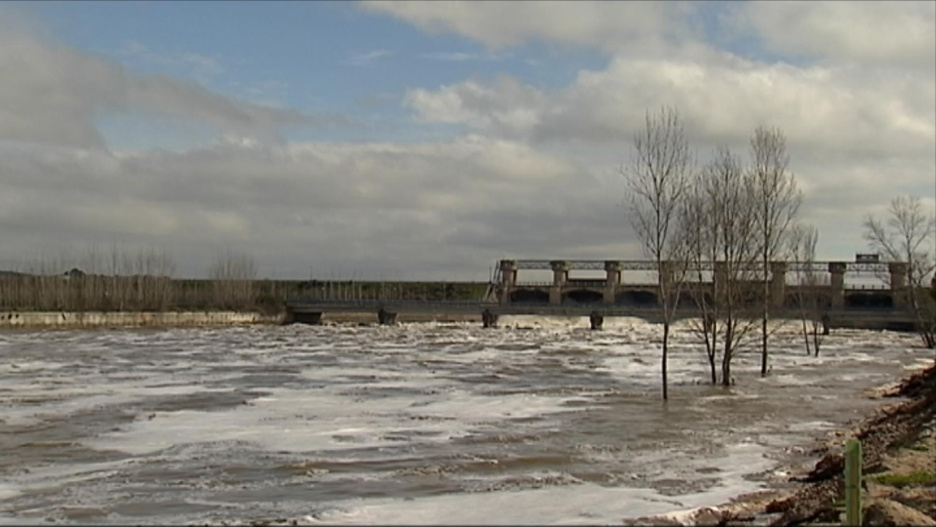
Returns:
<point x="542" y="422"/>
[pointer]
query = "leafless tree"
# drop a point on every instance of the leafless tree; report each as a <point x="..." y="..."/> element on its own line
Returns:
<point x="700" y="239"/>
<point x="657" y="178"/>
<point x="141" y="282"/>
<point x="802" y="245"/>
<point x="777" y="201"/>
<point x="721" y="219"/>
<point x="906" y="235"/>
<point x="233" y="275"/>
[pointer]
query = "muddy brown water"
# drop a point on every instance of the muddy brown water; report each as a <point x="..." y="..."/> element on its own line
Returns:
<point x="420" y="423"/>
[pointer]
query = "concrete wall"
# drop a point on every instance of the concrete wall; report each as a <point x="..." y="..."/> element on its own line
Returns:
<point x="99" y="319"/>
<point x="371" y="318"/>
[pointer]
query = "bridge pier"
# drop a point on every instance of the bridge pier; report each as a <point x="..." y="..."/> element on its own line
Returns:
<point x="777" y="283"/>
<point x="488" y="319"/>
<point x="612" y="280"/>
<point x="508" y="269"/>
<point x="898" y="282"/>
<point x="837" y="270"/>
<point x="385" y="318"/>
<point x="312" y="319"/>
<point x="596" y="320"/>
<point x="560" y="277"/>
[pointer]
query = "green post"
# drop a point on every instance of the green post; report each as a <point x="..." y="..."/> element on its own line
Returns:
<point x="853" y="482"/>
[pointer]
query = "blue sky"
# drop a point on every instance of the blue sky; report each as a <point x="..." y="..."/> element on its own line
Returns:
<point x="315" y="57"/>
<point x="427" y="139"/>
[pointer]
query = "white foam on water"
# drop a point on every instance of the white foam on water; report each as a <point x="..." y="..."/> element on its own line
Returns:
<point x="811" y="426"/>
<point x="320" y="420"/>
<point x="62" y="474"/>
<point x="569" y="503"/>
<point x="583" y="504"/>
<point x="545" y="322"/>
<point x="8" y="491"/>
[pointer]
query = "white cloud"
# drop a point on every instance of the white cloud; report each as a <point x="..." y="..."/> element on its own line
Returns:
<point x="465" y="57"/>
<point x="608" y="25"/>
<point x="507" y="106"/>
<point x="365" y="58"/>
<point x="53" y="94"/>
<point x="439" y="208"/>
<point x="886" y="33"/>
<point x="844" y="111"/>
<point x="201" y="67"/>
<point x="535" y="178"/>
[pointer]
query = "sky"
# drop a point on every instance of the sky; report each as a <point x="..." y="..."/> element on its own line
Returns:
<point x="427" y="140"/>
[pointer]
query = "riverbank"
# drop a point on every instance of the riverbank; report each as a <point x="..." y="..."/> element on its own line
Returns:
<point x="166" y="319"/>
<point x="132" y="319"/>
<point x="899" y="469"/>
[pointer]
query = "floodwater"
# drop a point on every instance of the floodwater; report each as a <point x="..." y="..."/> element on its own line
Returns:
<point x="544" y="422"/>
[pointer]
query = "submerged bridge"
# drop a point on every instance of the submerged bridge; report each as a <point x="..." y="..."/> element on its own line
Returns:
<point x="880" y="307"/>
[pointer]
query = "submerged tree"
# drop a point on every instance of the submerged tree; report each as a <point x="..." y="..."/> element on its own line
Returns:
<point x="802" y="246"/>
<point x="906" y="236"/>
<point x="657" y="178"/>
<point x="776" y="202"/>
<point x="721" y="232"/>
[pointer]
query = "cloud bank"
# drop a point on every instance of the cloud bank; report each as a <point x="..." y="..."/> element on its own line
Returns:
<point x="526" y="170"/>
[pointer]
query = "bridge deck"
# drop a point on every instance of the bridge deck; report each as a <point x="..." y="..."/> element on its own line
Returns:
<point x="859" y="315"/>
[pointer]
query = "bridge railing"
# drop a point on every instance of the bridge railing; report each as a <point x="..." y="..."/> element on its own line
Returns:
<point x="853" y="268"/>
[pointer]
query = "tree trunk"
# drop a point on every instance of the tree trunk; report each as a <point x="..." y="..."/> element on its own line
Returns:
<point x="726" y="358"/>
<point x="763" y="364"/>
<point x="665" y="349"/>
<point x="816" y="338"/>
<point x="806" y="334"/>
<point x="712" y="368"/>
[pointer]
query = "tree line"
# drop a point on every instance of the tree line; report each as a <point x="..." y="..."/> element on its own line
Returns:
<point x="131" y="281"/>
<point x="144" y="281"/>
<point x="739" y="216"/>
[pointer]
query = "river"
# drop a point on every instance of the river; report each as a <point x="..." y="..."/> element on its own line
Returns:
<point x="539" y="422"/>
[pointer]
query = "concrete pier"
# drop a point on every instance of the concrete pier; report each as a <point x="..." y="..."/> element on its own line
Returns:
<point x="386" y="318"/>
<point x="596" y="320"/>
<point x="898" y="282"/>
<point x="777" y="283"/>
<point x="837" y="282"/>
<point x="560" y="277"/>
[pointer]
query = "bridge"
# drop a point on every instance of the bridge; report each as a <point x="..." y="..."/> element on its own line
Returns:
<point x="387" y="312"/>
<point x="563" y="289"/>
<point x="872" y="308"/>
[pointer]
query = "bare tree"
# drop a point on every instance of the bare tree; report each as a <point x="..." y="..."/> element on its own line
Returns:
<point x="700" y="239"/>
<point x="802" y="245"/>
<point x="657" y="179"/>
<point x="233" y="275"/>
<point x="777" y="201"/>
<point x="906" y="236"/>
<point x="721" y="233"/>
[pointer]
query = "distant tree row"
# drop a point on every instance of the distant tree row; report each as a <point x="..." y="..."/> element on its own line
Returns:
<point x="143" y="281"/>
<point x="739" y="216"/>
<point x="124" y="281"/>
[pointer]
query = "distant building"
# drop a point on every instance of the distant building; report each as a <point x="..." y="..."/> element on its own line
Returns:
<point x="75" y="273"/>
